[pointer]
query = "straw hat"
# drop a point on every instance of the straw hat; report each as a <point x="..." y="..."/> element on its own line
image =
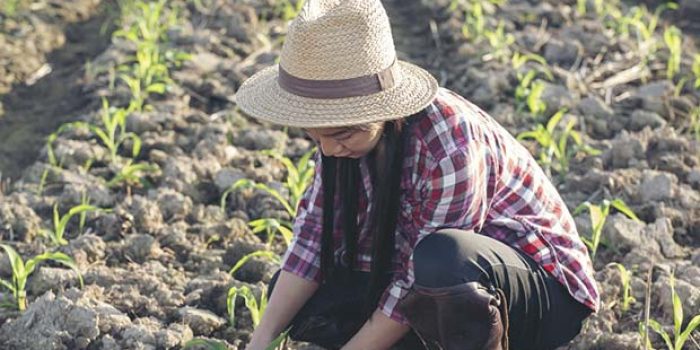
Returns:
<point x="338" y="67"/>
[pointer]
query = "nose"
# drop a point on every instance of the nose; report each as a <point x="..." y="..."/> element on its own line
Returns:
<point x="330" y="147"/>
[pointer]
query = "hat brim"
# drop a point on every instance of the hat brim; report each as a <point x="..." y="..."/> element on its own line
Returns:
<point x="261" y="97"/>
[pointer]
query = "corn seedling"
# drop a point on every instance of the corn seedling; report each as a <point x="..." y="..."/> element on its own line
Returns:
<point x="673" y="39"/>
<point x="625" y="279"/>
<point x="528" y="93"/>
<point x="206" y="343"/>
<point x="147" y="70"/>
<point x="21" y="271"/>
<point x="518" y="60"/>
<point x="680" y="336"/>
<point x="256" y="308"/>
<point x="287" y="9"/>
<point x="10" y="7"/>
<point x="259" y="253"/>
<point x="500" y="43"/>
<point x="474" y="24"/>
<point x="645" y="25"/>
<point x="695" y="122"/>
<point x="270" y="226"/>
<point x="246" y="183"/>
<point x="276" y="344"/>
<point x="131" y="175"/>
<point x="696" y="70"/>
<point x="599" y="214"/>
<point x="279" y="342"/>
<point x="113" y="131"/>
<point x="298" y="176"/>
<point x="553" y="144"/>
<point x="581" y="7"/>
<point x="60" y="223"/>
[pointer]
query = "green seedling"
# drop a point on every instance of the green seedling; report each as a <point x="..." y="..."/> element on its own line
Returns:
<point x="625" y="279"/>
<point x="270" y="226"/>
<point x="276" y="344"/>
<point x="256" y="254"/>
<point x="147" y="70"/>
<point x="113" y="132"/>
<point x="553" y="144"/>
<point x="256" y="308"/>
<point x="246" y="183"/>
<point x="696" y="70"/>
<point x="680" y="336"/>
<point x="60" y="223"/>
<point x="673" y="39"/>
<point x="474" y="23"/>
<point x="500" y="43"/>
<point x="529" y="93"/>
<point x="645" y="25"/>
<point x="279" y="342"/>
<point x="599" y="214"/>
<point x="287" y="9"/>
<point x="21" y="272"/>
<point x="131" y="175"/>
<point x="10" y="7"/>
<point x="518" y="60"/>
<point x="695" y="122"/>
<point x="206" y="343"/>
<point x="298" y="176"/>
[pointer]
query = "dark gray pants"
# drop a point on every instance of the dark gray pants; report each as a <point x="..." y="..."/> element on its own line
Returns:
<point x="542" y="314"/>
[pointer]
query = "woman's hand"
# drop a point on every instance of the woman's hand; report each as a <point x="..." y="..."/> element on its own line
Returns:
<point x="288" y="296"/>
<point x="378" y="333"/>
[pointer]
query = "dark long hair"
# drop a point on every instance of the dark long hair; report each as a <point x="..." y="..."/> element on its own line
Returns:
<point x="345" y="174"/>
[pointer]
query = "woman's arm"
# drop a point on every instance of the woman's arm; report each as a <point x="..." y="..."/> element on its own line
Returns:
<point x="378" y="333"/>
<point x="288" y="296"/>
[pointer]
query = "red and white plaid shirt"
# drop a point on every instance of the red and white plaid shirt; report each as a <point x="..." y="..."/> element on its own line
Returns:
<point x="462" y="170"/>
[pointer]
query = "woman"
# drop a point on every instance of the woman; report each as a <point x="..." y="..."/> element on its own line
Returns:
<point x="427" y="224"/>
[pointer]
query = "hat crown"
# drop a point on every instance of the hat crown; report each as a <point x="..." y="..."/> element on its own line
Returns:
<point x="338" y="39"/>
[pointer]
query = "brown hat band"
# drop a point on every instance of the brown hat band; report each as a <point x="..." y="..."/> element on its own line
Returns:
<point x="339" y="88"/>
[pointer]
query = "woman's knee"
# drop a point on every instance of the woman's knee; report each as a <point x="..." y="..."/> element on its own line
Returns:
<point x="445" y="258"/>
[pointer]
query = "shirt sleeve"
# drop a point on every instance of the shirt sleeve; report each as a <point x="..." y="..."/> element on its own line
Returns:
<point x="453" y="195"/>
<point x="302" y="257"/>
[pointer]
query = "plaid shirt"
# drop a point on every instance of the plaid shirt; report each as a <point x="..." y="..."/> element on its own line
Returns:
<point x="462" y="170"/>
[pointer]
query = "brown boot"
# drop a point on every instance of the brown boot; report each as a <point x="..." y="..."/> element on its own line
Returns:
<point x="463" y="317"/>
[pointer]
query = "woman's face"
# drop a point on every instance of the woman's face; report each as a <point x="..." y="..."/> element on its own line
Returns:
<point x="351" y="142"/>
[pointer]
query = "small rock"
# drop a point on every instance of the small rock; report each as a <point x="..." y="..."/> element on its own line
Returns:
<point x="653" y="95"/>
<point x="656" y="186"/>
<point x="563" y="53"/>
<point x="623" y="232"/>
<point x="625" y="150"/>
<point x="204" y="62"/>
<point x="51" y="278"/>
<point x="147" y="215"/>
<point x="173" y="205"/>
<point x="52" y="322"/>
<point x="694" y="178"/>
<point x="256" y="140"/>
<point x="556" y="97"/>
<point x="596" y="107"/>
<point x="140" y="123"/>
<point x="140" y="247"/>
<point x="227" y="177"/>
<point x="202" y="322"/>
<point x="641" y="119"/>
